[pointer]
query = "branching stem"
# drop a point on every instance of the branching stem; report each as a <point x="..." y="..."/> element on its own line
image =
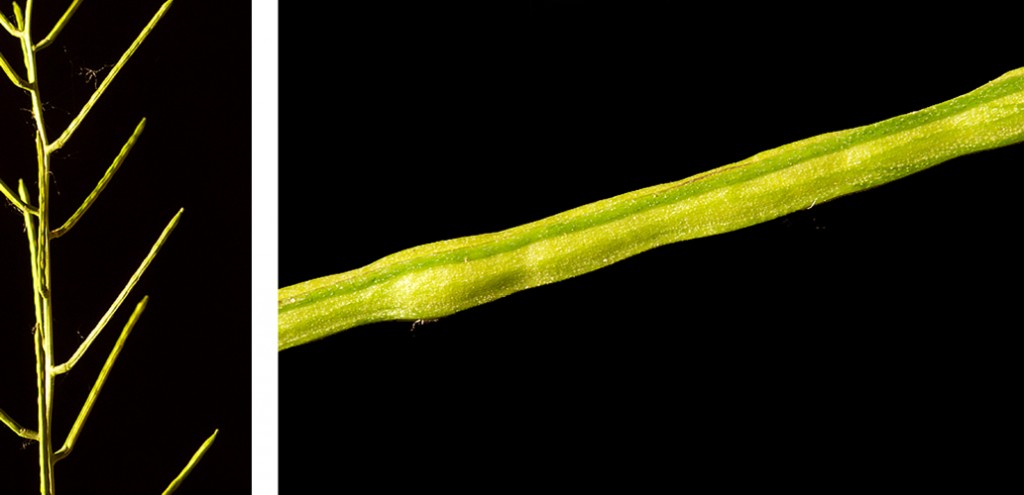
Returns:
<point x="58" y="26"/>
<point x="11" y="74"/>
<point x="39" y="235"/>
<point x="56" y="145"/>
<point x="8" y="26"/>
<point x="83" y="414"/>
<point x="19" y="430"/>
<point x="17" y="202"/>
<point x="40" y="249"/>
<point x="89" y="200"/>
<point x="64" y="368"/>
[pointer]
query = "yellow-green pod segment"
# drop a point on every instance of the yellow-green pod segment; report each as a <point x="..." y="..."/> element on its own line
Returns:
<point x="442" y="278"/>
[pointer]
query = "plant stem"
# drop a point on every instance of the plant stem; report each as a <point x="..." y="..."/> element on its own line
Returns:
<point x="41" y="267"/>
<point x="176" y="482"/>
<point x="39" y="234"/>
<point x="75" y="122"/>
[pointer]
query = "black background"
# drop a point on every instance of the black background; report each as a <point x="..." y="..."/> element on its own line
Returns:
<point x="856" y="339"/>
<point x="185" y="369"/>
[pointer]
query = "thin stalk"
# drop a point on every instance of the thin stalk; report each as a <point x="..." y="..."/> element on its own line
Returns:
<point x="8" y="26"/>
<point x="11" y="74"/>
<point x="89" y="200"/>
<point x="45" y="448"/>
<point x="58" y="26"/>
<point x="19" y="430"/>
<point x="18" y="203"/>
<point x="31" y="234"/>
<point x="191" y="464"/>
<point x="70" y="363"/>
<point x="41" y="264"/>
<point x="23" y="193"/>
<point x="83" y="414"/>
<point x="19" y="21"/>
<point x="39" y="234"/>
<point x="56" y="145"/>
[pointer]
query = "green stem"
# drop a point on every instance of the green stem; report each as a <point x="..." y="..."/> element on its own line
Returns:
<point x="176" y="482"/>
<point x="39" y="234"/>
<point x="44" y="418"/>
<point x="41" y="268"/>
<point x="31" y="235"/>
<point x="63" y="21"/>
<point x="12" y="75"/>
<point x="75" y="122"/>
<point x="111" y="170"/>
<point x="13" y="31"/>
<point x="442" y="278"/>
<point x="19" y="430"/>
<point x="90" y="401"/>
<point x="19" y="204"/>
<point x="134" y="279"/>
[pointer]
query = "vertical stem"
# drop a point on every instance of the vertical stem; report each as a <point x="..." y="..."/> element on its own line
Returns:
<point x="45" y="455"/>
<point x="46" y="460"/>
<point x="41" y="269"/>
<point x="30" y="232"/>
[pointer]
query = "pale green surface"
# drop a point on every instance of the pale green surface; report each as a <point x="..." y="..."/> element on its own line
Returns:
<point x="439" y="279"/>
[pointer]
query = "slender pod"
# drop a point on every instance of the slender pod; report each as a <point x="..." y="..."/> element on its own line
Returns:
<point x="442" y="278"/>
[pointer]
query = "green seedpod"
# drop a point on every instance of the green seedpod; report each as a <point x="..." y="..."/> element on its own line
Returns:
<point x="442" y="278"/>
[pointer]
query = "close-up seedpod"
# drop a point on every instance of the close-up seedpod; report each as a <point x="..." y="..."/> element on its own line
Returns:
<point x="551" y="243"/>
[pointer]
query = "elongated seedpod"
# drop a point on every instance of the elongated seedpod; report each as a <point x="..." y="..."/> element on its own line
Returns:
<point x="442" y="278"/>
